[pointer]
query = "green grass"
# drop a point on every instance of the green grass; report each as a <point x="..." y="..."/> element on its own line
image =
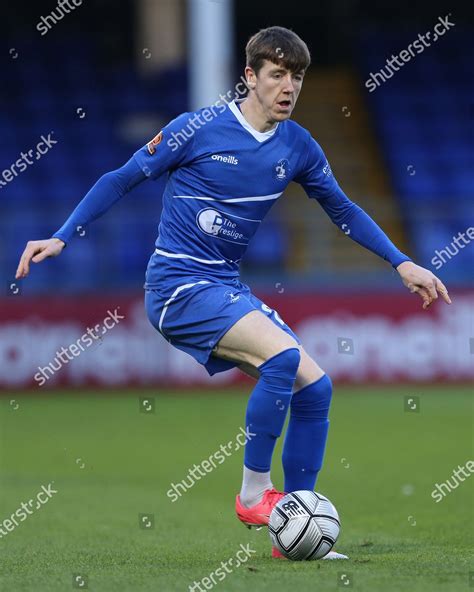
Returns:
<point x="129" y="460"/>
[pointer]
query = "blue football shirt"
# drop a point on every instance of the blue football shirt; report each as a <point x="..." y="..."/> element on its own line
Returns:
<point x="223" y="177"/>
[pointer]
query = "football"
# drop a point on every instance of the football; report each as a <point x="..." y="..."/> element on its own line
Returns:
<point x="304" y="525"/>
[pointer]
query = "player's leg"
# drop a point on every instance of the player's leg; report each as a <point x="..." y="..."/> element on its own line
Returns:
<point x="257" y="341"/>
<point x="306" y="436"/>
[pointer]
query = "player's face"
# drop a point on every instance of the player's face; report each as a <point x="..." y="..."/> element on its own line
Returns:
<point x="277" y="90"/>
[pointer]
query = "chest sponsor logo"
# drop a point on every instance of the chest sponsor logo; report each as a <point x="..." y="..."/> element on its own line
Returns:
<point x="223" y="226"/>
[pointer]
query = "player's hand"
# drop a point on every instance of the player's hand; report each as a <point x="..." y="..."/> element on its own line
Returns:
<point x="36" y="251"/>
<point x="421" y="280"/>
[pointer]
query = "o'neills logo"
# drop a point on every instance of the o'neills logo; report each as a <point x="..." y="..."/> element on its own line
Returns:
<point x="227" y="159"/>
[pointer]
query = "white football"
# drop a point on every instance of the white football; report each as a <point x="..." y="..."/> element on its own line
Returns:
<point x="304" y="525"/>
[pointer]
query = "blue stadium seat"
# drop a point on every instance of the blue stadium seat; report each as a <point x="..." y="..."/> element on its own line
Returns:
<point x="424" y="117"/>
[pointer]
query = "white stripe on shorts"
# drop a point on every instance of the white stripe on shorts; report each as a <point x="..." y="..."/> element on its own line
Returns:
<point x="175" y="293"/>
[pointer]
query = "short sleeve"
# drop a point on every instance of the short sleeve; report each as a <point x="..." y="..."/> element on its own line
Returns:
<point x="315" y="175"/>
<point x="170" y="148"/>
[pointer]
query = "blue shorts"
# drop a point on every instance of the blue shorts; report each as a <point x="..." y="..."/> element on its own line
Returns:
<point x="195" y="313"/>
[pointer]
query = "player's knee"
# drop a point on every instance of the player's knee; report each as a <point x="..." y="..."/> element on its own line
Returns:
<point x="313" y="401"/>
<point x="281" y="369"/>
<point x="267" y="407"/>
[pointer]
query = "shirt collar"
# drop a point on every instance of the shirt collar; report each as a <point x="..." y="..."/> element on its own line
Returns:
<point x="259" y="136"/>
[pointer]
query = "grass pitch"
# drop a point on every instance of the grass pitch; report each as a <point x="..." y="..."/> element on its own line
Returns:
<point x="112" y="527"/>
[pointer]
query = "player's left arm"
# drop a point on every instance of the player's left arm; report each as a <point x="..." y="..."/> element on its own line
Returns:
<point x="359" y="226"/>
<point x="316" y="177"/>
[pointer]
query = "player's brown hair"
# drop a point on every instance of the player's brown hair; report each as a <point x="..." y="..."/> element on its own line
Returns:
<point x="280" y="46"/>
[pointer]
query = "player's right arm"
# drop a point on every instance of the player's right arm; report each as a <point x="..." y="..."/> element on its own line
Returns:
<point x="109" y="189"/>
<point x="159" y="155"/>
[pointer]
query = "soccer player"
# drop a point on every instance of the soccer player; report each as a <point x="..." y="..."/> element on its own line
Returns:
<point x="226" y="166"/>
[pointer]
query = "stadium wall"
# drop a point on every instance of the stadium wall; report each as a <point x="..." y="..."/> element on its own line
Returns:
<point x="355" y="337"/>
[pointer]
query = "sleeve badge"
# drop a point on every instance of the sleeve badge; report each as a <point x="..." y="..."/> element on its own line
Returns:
<point x="151" y="146"/>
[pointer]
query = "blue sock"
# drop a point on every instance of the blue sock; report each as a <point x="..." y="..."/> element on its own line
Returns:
<point x="267" y="408"/>
<point x="305" y="441"/>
